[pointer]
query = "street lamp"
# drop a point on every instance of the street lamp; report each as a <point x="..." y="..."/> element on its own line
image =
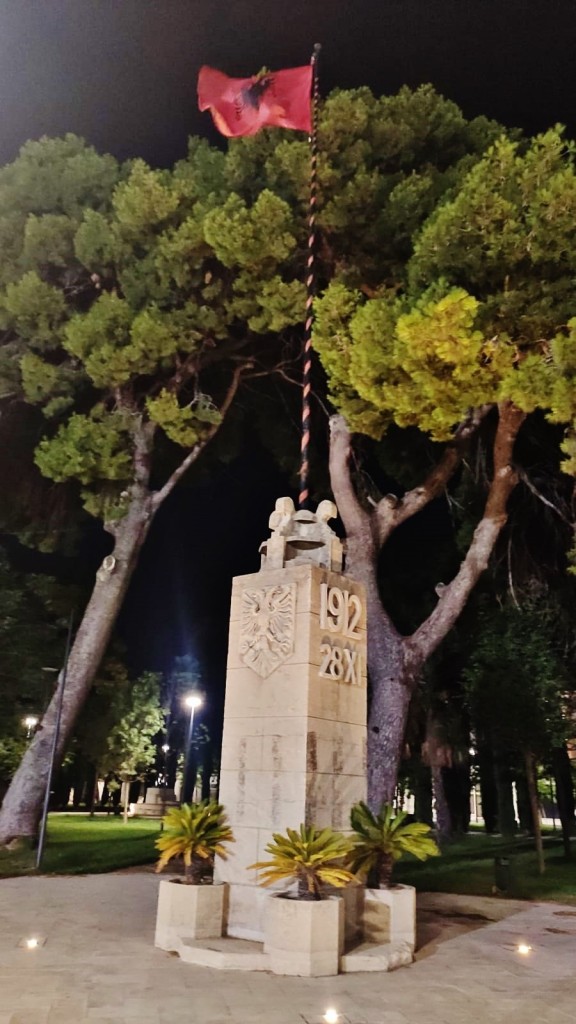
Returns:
<point x="162" y="778"/>
<point x="193" y="701"/>
<point x="59" y="698"/>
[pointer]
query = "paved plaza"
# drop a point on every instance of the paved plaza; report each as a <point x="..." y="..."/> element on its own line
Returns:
<point x="98" y="964"/>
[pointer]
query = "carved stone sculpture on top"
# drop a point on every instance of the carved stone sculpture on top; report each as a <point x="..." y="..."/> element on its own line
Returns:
<point x="302" y="538"/>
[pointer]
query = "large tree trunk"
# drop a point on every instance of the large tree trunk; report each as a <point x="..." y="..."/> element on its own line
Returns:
<point x="395" y="662"/>
<point x="457" y="787"/>
<point x="21" y="808"/>
<point x="488" y="790"/>
<point x="22" y="805"/>
<point x="439" y="757"/>
<point x="389" y="681"/>
<point x="423" y="793"/>
<point x="503" y="780"/>
<point x="391" y="685"/>
<point x="443" y="817"/>
<point x="530" y="762"/>
<point x="564" y="795"/>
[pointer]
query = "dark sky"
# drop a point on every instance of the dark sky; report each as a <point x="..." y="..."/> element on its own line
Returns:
<point x="123" y="72"/>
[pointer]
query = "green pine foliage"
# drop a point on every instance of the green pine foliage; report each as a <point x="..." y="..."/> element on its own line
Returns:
<point x="132" y="717"/>
<point x="33" y="613"/>
<point x="197" y="833"/>
<point x="128" y="295"/>
<point x="487" y="310"/>
<point x="382" y="839"/>
<point x="116" y="308"/>
<point x="518" y="675"/>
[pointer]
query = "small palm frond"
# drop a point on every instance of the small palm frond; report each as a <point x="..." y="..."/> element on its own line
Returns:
<point x="310" y="856"/>
<point x="383" y="838"/>
<point x="195" y="832"/>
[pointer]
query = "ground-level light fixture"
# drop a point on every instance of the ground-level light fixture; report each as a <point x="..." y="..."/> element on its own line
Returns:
<point x="32" y="942"/>
<point x="523" y="948"/>
<point x="30" y="722"/>
<point x="331" y="1016"/>
<point x="165" y="748"/>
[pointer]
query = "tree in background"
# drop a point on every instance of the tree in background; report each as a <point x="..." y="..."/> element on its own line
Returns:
<point x="184" y="679"/>
<point x="134" y="302"/>
<point x="33" y="613"/>
<point x="519" y="687"/>
<point x="120" y="324"/>
<point x="114" y="735"/>
<point x="479" y="335"/>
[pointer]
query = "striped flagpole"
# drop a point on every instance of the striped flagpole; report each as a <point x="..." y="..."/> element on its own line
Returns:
<point x="310" y="292"/>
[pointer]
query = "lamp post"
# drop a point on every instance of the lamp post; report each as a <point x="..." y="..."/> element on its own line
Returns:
<point x="61" y="687"/>
<point x="163" y="776"/>
<point x="193" y="701"/>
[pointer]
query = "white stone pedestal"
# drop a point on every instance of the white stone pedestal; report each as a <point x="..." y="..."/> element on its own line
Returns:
<point x="304" y="937"/>
<point x="390" y="915"/>
<point x="294" y="742"/>
<point x="188" y="911"/>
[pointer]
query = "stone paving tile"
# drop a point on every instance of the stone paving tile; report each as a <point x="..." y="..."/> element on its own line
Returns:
<point x="29" y="1017"/>
<point x="99" y="967"/>
<point x="112" y="1020"/>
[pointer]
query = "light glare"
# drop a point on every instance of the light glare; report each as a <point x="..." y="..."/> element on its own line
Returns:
<point x="193" y="701"/>
<point x="32" y="943"/>
<point x="524" y="948"/>
<point x="331" y="1015"/>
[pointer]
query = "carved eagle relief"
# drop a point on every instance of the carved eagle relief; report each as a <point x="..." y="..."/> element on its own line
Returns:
<point x="267" y="627"/>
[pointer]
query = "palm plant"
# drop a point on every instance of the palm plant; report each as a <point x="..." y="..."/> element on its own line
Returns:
<point x="197" y="833"/>
<point x="382" y="839"/>
<point x="310" y="856"/>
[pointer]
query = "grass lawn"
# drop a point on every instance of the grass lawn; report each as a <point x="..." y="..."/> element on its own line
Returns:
<point x="467" y="867"/>
<point x="79" y="845"/>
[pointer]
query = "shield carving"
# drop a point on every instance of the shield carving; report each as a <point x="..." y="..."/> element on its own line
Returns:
<point x="267" y="627"/>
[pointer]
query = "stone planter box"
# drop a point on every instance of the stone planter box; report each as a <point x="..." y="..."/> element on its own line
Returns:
<point x="304" y="937"/>
<point x="189" y="911"/>
<point x="390" y="915"/>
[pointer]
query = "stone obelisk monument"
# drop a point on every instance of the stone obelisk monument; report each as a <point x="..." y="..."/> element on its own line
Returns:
<point x="294" y="742"/>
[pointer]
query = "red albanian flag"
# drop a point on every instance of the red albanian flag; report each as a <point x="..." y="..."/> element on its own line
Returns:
<point x="242" y="106"/>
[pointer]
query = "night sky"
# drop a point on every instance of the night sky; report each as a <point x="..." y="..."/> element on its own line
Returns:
<point x="122" y="73"/>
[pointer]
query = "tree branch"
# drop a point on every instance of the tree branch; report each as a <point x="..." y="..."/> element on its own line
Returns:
<point x="159" y="496"/>
<point x="355" y="518"/>
<point x="391" y="512"/>
<point x="361" y="545"/>
<point x="523" y="476"/>
<point x="454" y="596"/>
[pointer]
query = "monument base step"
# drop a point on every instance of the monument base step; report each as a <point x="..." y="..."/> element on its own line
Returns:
<point x="225" y="954"/>
<point x="369" y="956"/>
<point x="229" y="954"/>
<point x="156" y="810"/>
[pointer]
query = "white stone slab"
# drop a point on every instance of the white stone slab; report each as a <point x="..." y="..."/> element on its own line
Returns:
<point x="304" y="937"/>
<point x="390" y="915"/>
<point x="196" y="911"/>
<point x="294" y="739"/>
